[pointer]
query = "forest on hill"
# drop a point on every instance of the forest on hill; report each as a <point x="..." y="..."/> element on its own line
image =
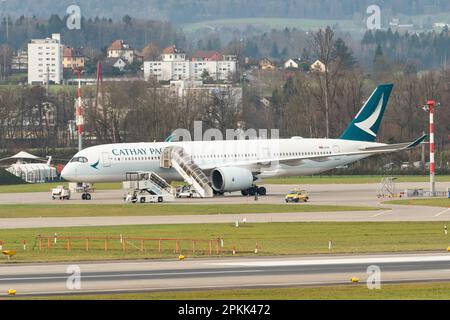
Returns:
<point x="183" y="11"/>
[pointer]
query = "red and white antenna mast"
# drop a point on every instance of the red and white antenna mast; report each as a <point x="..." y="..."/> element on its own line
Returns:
<point x="431" y="104"/>
<point x="79" y="114"/>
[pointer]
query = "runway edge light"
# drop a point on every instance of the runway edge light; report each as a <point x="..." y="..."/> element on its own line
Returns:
<point x="355" y="280"/>
<point x="11" y="292"/>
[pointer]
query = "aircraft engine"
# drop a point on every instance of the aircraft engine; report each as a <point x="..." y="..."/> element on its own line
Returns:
<point x="230" y="179"/>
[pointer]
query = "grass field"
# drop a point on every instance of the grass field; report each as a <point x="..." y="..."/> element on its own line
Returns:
<point x="108" y="210"/>
<point x="356" y="179"/>
<point x="272" y="238"/>
<point x="413" y="291"/>
<point x="47" y="187"/>
<point x="276" y="23"/>
<point x="439" y="202"/>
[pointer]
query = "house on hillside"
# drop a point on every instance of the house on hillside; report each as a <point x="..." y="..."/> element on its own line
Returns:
<point x="318" y="66"/>
<point x="292" y="64"/>
<point x="73" y="59"/>
<point x="174" y="65"/>
<point x="266" y="64"/>
<point x="120" y="49"/>
<point x="109" y="64"/>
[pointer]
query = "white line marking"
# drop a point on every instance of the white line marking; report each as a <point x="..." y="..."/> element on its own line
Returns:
<point x="134" y="275"/>
<point x="442" y="212"/>
<point x="381" y="213"/>
<point x="374" y="260"/>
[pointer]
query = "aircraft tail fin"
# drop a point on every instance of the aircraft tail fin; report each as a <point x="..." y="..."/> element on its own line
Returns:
<point x="365" y="125"/>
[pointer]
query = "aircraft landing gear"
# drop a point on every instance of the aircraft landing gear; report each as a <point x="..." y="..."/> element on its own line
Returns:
<point x="86" y="196"/>
<point x="218" y="193"/>
<point x="253" y="191"/>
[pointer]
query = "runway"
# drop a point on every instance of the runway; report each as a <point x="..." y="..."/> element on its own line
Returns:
<point x="115" y="277"/>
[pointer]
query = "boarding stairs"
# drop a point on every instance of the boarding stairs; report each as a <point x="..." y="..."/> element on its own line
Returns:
<point x="387" y="189"/>
<point x="150" y="181"/>
<point x="176" y="157"/>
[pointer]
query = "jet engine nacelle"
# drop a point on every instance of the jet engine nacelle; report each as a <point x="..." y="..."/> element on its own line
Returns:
<point x="230" y="179"/>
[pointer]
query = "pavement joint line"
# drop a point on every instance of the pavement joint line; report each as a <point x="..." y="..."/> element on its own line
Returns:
<point x="382" y="213"/>
<point x="441" y="212"/>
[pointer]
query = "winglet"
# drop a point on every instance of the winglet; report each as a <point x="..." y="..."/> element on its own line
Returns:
<point x="417" y="142"/>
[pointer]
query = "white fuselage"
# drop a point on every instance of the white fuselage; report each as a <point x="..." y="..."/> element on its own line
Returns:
<point x="111" y="162"/>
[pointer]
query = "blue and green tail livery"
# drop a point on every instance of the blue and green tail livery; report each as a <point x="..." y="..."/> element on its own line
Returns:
<point x="367" y="122"/>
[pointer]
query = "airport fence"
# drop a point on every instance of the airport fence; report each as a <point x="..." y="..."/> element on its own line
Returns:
<point x="143" y="244"/>
<point x="130" y="245"/>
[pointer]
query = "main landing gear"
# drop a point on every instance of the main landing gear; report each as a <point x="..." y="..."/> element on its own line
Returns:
<point x="86" y="196"/>
<point x="261" y="191"/>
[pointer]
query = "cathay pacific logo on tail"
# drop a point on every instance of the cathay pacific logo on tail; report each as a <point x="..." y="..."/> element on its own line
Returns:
<point x="367" y="124"/>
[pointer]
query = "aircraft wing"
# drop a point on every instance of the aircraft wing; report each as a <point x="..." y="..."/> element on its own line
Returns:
<point x="388" y="148"/>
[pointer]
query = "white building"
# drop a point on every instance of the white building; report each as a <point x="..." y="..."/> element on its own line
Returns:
<point x="120" y="49"/>
<point x="19" y="61"/>
<point x="175" y="66"/>
<point x="292" y="64"/>
<point x="45" y="60"/>
<point x="31" y="169"/>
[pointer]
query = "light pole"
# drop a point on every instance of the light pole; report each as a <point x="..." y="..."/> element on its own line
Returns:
<point x="430" y="106"/>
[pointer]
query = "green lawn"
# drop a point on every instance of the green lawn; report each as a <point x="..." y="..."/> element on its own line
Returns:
<point x="411" y="291"/>
<point x="47" y="187"/>
<point x="273" y="239"/>
<point x="356" y="179"/>
<point x="277" y="23"/>
<point x="438" y="202"/>
<point x="108" y="210"/>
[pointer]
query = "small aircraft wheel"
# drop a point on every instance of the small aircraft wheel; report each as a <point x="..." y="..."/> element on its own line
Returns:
<point x="244" y="193"/>
<point x="142" y="200"/>
<point x="262" y="191"/>
<point x="83" y="196"/>
<point x="160" y="199"/>
<point x="87" y="196"/>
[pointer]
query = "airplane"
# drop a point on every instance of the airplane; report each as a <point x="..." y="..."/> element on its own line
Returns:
<point x="237" y="165"/>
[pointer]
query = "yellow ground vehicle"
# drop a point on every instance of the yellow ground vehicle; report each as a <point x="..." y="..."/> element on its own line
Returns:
<point x="297" y="196"/>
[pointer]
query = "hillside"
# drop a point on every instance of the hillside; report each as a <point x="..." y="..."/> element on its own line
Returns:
<point x="184" y="11"/>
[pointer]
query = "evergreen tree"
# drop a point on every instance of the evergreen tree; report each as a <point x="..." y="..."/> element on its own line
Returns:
<point x="275" y="53"/>
<point x="343" y="54"/>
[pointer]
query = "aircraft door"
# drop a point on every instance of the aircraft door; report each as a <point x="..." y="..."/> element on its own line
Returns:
<point x="106" y="159"/>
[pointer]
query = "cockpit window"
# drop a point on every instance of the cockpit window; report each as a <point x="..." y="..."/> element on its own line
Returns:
<point x="79" y="159"/>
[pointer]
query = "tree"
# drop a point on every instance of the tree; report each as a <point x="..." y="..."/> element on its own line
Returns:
<point x="127" y="20"/>
<point x="343" y="54"/>
<point x="275" y="53"/>
<point x="151" y="52"/>
<point x="322" y="45"/>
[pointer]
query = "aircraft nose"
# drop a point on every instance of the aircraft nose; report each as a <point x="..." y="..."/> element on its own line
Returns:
<point x="68" y="173"/>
